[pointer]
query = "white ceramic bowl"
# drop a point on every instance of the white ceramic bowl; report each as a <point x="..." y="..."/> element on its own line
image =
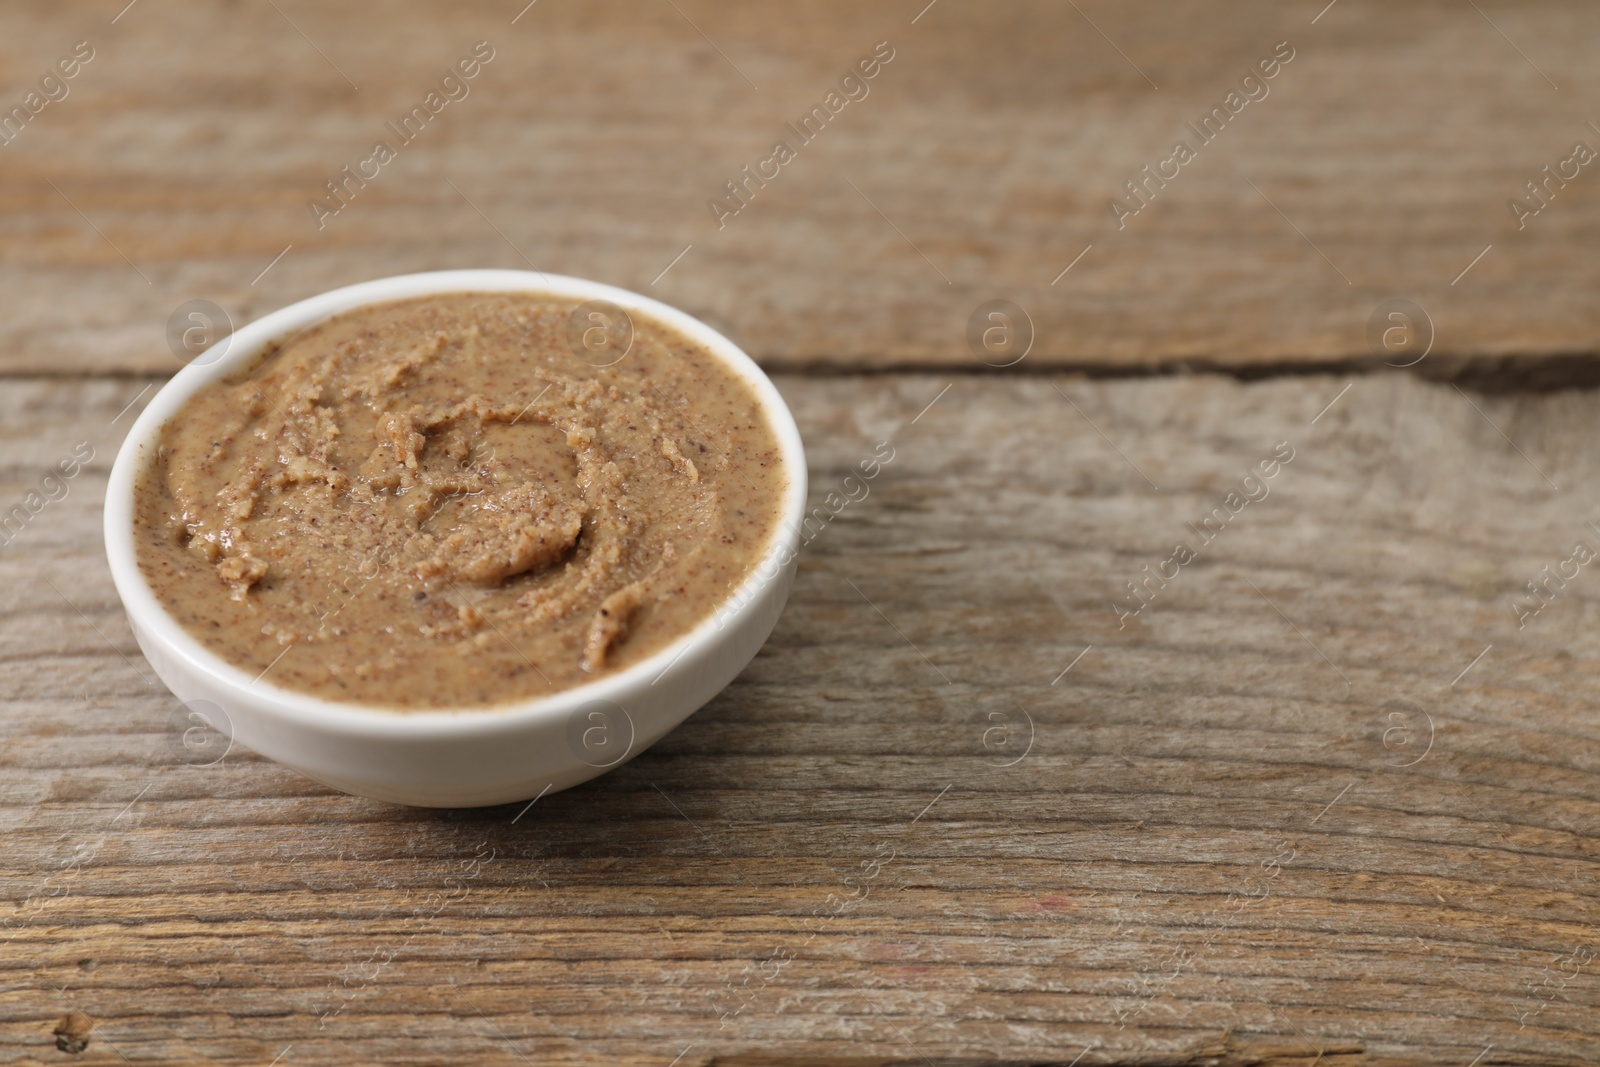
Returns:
<point x="477" y="756"/>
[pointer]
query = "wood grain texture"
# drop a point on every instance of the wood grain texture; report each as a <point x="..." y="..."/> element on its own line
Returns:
<point x="1325" y="798"/>
<point x="1292" y="812"/>
<point x="981" y="164"/>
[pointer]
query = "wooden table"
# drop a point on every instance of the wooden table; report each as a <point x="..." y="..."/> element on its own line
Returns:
<point x="1327" y="796"/>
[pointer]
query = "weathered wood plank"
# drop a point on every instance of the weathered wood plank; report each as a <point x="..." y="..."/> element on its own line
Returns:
<point x="984" y="160"/>
<point x="1287" y="809"/>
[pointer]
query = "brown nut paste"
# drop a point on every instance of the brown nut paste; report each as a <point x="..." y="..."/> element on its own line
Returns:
<point x="442" y="503"/>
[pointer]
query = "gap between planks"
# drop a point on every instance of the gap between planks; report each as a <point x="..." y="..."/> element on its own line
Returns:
<point x="1546" y="373"/>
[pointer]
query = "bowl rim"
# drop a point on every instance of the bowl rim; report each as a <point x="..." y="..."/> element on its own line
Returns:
<point x="246" y="343"/>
